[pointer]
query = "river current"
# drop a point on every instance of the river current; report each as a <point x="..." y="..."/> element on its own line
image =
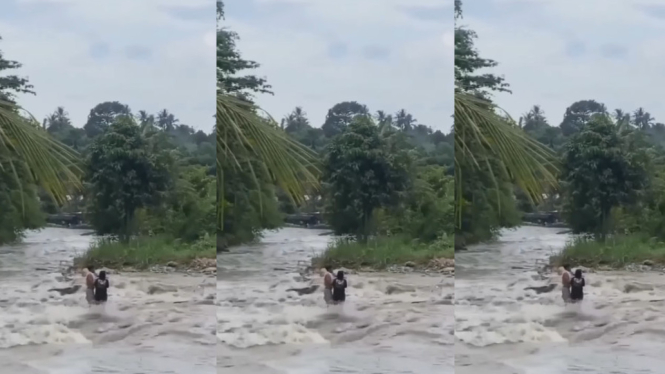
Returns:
<point x="152" y="323"/>
<point x="390" y="323"/>
<point x="503" y="328"/>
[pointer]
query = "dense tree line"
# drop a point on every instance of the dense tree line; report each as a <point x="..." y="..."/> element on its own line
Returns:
<point x="369" y="173"/>
<point x="608" y="166"/>
<point x="133" y="174"/>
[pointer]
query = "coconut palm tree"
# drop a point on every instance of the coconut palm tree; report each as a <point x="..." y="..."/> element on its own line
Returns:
<point x="483" y="130"/>
<point x="25" y="146"/>
<point x="243" y="134"/>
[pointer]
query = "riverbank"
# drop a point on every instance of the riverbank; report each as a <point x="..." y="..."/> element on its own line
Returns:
<point x="271" y="316"/>
<point x="156" y="254"/>
<point x="396" y="254"/>
<point x="625" y="252"/>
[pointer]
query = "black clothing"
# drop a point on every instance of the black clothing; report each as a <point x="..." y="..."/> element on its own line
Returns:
<point x="101" y="287"/>
<point x="577" y="288"/>
<point x="339" y="290"/>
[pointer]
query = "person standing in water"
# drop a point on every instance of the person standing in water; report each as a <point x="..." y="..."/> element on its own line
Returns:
<point x="577" y="284"/>
<point x="90" y="279"/>
<point x="327" y="285"/>
<point x="339" y="288"/>
<point x="565" y="283"/>
<point x="101" y="288"/>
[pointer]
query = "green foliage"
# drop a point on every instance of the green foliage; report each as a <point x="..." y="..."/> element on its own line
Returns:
<point x="145" y="251"/>
<point x="599" y="175"/>
<point x="20" y="205"/>
<point x="230" y="63"/>
<point x="615" y="252"/>
<point x="425" y="211"/>
<point x="11" y="84"/>
<point x="124" y="175"/>
<point x="381" y="252"/>
<point x="579" y="114"/>
<point x="361" y="176"/>
<point x="491" y="153"/>
<point x="342" y="115"/>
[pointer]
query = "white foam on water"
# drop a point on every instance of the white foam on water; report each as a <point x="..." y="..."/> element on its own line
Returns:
<point x="502" y="326"/>
<point x="265" y="328"/>
<point x="51" y="332"/>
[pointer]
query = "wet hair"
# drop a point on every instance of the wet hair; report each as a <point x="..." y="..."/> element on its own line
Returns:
<point x="566" y="266"/>
<point x="91" y="268"/>
<point x="340" y="275"/>
<point x="578" y="273"/>
<point x="102" y="275"/>
<point x="328" y="268"/>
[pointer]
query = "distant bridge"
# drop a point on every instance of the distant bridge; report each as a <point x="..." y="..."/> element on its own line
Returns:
<point x="304" y="219"/>
<point x="65" y="219"/>
<point x="542" y="218"/>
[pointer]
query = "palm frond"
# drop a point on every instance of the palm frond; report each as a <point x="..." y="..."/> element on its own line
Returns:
<point x="242" y="131"/>
<point x="52" y="165"/>
<point x="530" y="164"/>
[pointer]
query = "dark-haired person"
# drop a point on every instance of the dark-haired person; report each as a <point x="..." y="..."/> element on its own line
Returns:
<point x="101" y="288"/>
<point x="339" y="288"/>
<point x="565" y="283"/>
<point x="577" y="284"/>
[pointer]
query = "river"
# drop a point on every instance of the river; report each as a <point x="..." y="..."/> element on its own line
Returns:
<point x="390" y="323"/>
<point x="153" y="323"/>
<point x="502" y="328"/>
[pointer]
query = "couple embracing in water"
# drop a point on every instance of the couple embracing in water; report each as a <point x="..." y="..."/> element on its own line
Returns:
<point x="334" y="287"/>
<point x="96" y="286"/>
<point x="572" y="290"/>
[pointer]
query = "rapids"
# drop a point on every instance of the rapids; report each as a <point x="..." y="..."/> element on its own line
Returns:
<point x="152" y="323"/>
<point x="390" y="323"/>
<point x="502" y="328"/>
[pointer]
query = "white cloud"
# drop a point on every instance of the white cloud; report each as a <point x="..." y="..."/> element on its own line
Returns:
<point x="293" y="47"/>
<point x="54" y="48"/>
<point x="529" y="41"/>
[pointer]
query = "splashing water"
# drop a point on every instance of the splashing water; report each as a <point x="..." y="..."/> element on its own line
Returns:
<point x="503" y="328"/>
<point x="390" y="323"/>
<point x="153" y="323"/>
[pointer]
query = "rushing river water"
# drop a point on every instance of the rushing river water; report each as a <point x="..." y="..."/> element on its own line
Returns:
<point x="502" y="328"/>
<point x="390" y="323"/>
<point x="153" y="323"/>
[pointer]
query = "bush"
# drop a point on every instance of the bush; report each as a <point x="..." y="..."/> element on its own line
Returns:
<point x="616" y="252"/>
<point x="143" y="252"/>
<point x="382" y="252"/>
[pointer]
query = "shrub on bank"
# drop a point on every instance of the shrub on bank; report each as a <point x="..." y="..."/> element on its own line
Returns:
<point x="382" y="252"/>
<point x="143" y="252"/>
<point x="615" y="252"/>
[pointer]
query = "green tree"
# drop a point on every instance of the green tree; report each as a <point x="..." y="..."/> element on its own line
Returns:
<point x="484" y="135"/>
<point x="599" y="174"/>
<point x="230" y="63"/>
<point x="103" y="115"/>
<point x="253" y="154"/>
<point x="361" y="176"/>
<point x="580" y="113"/>
<point x="32" y="156"/>
<point x="11" y="84"/>
<point x="123" y="175"/>
<point x="342" y="115"/>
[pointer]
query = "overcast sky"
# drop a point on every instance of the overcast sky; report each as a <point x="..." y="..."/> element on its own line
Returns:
<point x="387" y="54"/>
<point x="149" y="54"/>
<point x="555" y="52"/>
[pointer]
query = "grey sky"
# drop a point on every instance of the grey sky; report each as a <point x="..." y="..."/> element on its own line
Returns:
<point x="387" y="54"/>
<point x="555" y="52"/>
<point x="149" y="54"/>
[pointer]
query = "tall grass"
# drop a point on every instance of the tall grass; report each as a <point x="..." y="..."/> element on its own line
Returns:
<point x="615" y="252"/>
<point x="382" y="252"/>
<point x="143" y="252"/>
